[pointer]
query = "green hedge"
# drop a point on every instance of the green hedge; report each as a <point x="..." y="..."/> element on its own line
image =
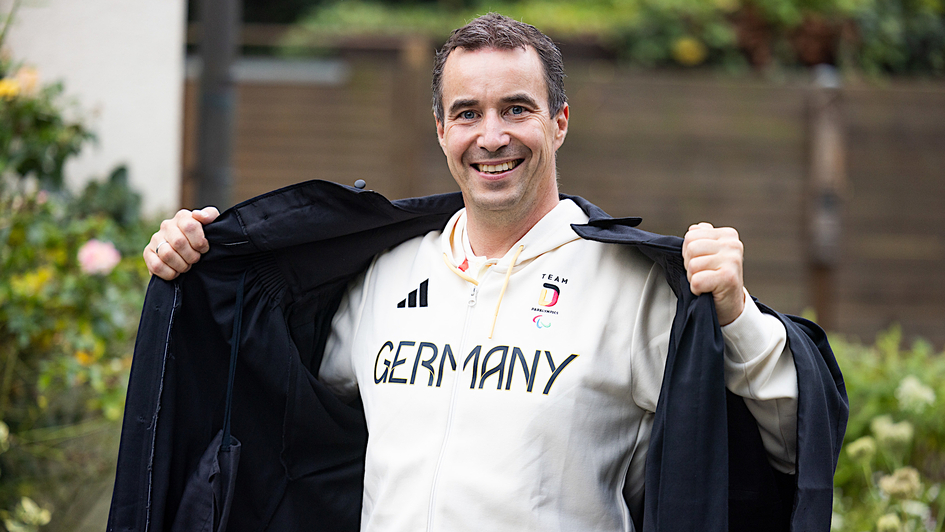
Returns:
<point x="871" y="36"/>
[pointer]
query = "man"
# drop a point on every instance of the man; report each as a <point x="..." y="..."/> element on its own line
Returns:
<point x="562" y="340"/>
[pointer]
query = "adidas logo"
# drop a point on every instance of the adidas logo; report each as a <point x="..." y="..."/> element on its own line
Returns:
<point x="412" y="298"/>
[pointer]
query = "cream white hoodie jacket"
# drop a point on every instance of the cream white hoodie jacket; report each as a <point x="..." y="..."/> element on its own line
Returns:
<point x="518" y="393"/>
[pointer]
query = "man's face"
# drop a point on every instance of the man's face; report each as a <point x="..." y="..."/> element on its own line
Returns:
<point x="497" y="132"/>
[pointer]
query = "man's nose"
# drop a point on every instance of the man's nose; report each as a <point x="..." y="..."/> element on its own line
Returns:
<point x="493" y="135"/>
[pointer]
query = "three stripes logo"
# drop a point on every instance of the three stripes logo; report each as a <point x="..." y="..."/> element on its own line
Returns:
<point x="416" y="298"/>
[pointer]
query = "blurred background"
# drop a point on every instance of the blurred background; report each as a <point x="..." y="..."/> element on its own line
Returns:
<point x="816" y="127"/>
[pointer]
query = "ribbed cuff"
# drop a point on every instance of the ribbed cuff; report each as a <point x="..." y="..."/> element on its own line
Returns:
<point x="750" y="335"/>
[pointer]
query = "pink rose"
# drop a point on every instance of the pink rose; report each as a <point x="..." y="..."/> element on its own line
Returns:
<point x="97" y="257"/>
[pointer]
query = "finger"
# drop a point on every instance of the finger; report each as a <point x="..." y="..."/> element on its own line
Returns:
<point x="719" y="282"/>
<point x="172" y="259"/>
<point x="166" y="269"/>
<point x="726" y="258"/>
<point x="721" y="234"/>
<point x="704" y="263"/>
<point x="151" y="260"/>
<point x="714" y="241"/>
<point x="192" y="231"/>
<point x="706" y="230"/>
<point x="702" y="282"/>
<point x="732" y="251"/>
<point x="173" y="231"/>
<point x="699" y="231"/>
<point x="700" y="248"/>
<point x="696" y="232"/>
<point x="157" y="267"/>
<point x="700" y="225"/>
<point x="177" y="253"/>
<point x="192" y="227"/>
<point x="206" y="214"/>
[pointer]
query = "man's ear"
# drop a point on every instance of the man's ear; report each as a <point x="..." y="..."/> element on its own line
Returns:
<point x="440" y="133"/>
<point x="561" y="125"/>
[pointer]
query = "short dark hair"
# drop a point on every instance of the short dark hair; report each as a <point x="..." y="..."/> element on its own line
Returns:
<point x="493" y="30"/>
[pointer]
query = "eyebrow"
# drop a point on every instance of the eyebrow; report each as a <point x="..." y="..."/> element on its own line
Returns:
<point x="460" y="104"/>
<point x="521" y="98"/>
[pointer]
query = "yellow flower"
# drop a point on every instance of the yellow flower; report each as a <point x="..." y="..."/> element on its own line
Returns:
<point x="30" y="284"/>
<point x="9" y="88"/>
<point x="84" y="358"/>
<point x="688" y="51"/>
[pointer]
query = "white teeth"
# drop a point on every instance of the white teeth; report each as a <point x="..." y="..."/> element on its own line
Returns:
<point x="497" y="168"/>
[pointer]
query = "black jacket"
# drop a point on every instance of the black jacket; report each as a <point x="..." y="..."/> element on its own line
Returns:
<point x="290" y="254"/>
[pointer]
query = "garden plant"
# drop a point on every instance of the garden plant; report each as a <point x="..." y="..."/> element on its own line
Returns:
<point x="71" y="289"/>
<point x="892" y="465"/>
<point x="872" y="37"/>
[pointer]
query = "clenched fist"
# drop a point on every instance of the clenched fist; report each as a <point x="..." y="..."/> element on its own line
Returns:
<point x="713" y="257"/>
<point x="179" y="243"/>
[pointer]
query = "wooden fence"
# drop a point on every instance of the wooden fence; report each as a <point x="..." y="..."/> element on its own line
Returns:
<point x="674" y="148"/>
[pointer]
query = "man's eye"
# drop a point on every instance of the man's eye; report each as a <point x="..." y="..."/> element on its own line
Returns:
<point x="517" y="109"/>
<point x="467" y="115"/>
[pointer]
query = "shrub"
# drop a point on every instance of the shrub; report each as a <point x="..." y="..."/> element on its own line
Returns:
<point x="71" y="290"/>
<point x="872" y="36"/>
<point x="70" y="295"/>
<point x="893" y="462"/>
<point x="36" y="139"/>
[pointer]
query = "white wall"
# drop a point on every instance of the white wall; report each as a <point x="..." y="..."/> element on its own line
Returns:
<point x="124" y="62"/>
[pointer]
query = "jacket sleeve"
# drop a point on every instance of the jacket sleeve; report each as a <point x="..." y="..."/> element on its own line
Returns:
<point x="822" y="412"/>
<point x="683" y="480"/>
<point x="759" y="367"/>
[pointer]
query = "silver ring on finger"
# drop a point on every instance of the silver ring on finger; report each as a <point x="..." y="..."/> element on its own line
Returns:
<point x="158" y="248"/>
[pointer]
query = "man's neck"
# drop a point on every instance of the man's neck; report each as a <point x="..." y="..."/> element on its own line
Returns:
<point x="492" y="236"/>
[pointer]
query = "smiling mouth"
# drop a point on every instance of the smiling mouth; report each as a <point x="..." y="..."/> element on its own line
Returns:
<point x="497" y="168"/>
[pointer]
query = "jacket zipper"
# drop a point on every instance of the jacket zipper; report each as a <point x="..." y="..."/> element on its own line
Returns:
<point x="470" y="303"/>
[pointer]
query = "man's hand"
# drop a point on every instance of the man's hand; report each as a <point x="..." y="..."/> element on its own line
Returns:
<point x="179" y="243"/>
<point x="713" y="258"/>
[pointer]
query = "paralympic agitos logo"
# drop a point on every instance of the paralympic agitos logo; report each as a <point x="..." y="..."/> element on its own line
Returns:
<point x="428" y="360"/>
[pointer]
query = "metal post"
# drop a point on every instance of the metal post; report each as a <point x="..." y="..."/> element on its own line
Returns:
<point x="827" y="178"/>
<point x="219" y="41"/>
